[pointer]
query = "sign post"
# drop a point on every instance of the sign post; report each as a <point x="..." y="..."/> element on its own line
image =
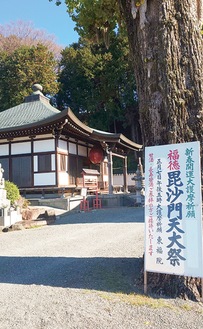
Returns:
<point x="173" y="210"/>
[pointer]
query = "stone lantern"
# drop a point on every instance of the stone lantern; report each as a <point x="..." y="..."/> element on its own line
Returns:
<point x="139" y="184"/>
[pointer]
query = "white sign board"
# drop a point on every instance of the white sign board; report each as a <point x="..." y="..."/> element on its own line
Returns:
<point x="173" y="210"/>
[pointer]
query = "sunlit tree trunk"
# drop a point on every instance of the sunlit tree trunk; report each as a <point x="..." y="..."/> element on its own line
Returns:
<point x="166" y="44"/>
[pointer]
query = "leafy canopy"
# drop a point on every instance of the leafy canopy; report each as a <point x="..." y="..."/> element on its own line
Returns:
<point x="94" y="18"/>
<point x="23" y="67"/>
<point x="98" y="83"/>
<point x="97" y="80"/>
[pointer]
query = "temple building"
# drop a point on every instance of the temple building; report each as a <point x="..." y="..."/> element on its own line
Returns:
<point x="42" y="148"/>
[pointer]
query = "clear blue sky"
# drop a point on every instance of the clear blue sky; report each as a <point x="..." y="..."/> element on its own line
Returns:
<point x="43" y="14"/>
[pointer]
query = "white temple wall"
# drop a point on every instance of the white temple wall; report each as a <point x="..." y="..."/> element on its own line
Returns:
<point x="44" y="179"/>
<point x="72" y="148"/>
<point x="82" y="150"/>
<point x="20" y="148"/>
<point x="63" y="179"/>
<point x="35" y="159"/>
<point x="62" y="146"/>
<point x="46" y="145"/>
<point x="53" y="162"/>
<point x="4" y="149"/>
<point x="34" y="149"/>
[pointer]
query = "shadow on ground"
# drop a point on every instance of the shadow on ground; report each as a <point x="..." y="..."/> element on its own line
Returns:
<point x="99" y="273"/>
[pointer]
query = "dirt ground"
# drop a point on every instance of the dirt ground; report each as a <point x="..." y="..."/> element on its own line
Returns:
<point x="80" y="272"/>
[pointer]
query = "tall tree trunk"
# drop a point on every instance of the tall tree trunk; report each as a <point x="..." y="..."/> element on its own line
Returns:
<point x="167" y="47"/>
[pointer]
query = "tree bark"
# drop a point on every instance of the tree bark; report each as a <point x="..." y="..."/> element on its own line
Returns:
<point x="166" y="45"/>
<point x="172" y="285"/>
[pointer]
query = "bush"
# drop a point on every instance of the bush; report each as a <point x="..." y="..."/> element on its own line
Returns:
<point x="13" y="193"/>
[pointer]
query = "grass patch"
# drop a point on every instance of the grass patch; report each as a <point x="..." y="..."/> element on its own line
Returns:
<point x="136" y="300"/>
<point x="33" y="226"/>
<point x="186" y="307"/>
<point x="142" y="300"/>
<point x="155" y="303"/>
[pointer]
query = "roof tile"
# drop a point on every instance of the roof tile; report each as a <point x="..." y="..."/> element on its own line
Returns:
<point x="27" y="113"/>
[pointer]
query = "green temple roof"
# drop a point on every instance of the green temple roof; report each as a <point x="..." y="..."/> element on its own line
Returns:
<point x="35" y="108"/>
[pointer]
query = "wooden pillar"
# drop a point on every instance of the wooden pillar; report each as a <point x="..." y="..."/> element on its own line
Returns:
<point x="125" y="173"/>
<point x="110" y="172"/>
<point x="10" y="163"/>
<point x="56" y="162"/>
<point x="32" y="160"/>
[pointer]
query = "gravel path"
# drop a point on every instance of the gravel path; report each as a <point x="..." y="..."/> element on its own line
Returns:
<point x="80" y="273"/>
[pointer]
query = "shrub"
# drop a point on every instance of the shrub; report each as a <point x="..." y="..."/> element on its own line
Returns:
<point x="13" y="193"/>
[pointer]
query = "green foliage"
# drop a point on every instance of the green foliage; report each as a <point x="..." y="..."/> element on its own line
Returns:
<point x="96" y="76"/>
<point x="23" y="67"/>
<point x="94" y="19"/>
<point x="13" y="193"/>
<point x="98" y="84"/>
